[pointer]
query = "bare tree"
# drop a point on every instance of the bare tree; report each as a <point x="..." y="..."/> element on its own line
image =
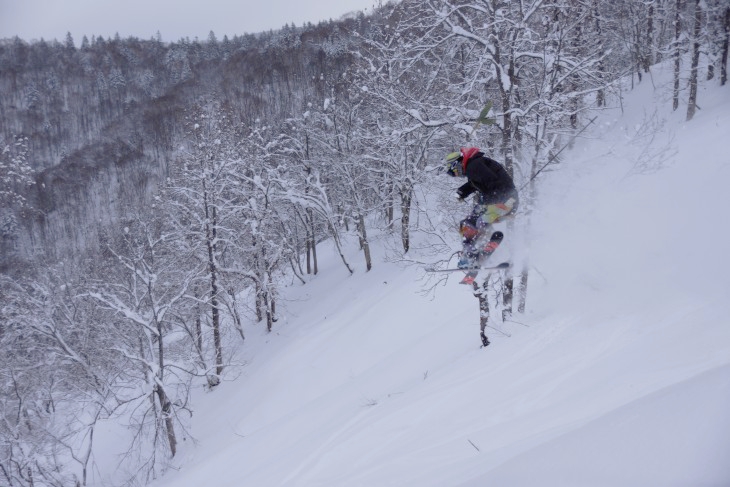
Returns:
<point x="203" y="197"/>
<point x="149" y="277"/>
<point x="296" y="148"/>
<point x="56" y="385"/>
<point x="405" y="84"/>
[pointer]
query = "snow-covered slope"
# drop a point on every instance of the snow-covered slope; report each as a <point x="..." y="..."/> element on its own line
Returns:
<point x="618" y="374"/>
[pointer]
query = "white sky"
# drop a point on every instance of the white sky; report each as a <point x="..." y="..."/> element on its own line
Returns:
<point x="174" y="19"/>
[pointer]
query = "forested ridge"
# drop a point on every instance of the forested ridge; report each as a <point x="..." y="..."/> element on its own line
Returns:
<point x="102" y="120"/>
<point x="153" y="194"/>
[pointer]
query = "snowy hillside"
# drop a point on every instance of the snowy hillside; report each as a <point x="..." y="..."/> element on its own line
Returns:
<point x="617" y="375"/>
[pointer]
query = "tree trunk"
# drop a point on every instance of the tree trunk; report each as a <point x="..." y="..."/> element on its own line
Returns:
<point x="338" y="246"/>
<point x="164" y="402"/>
<point x="692" y="103"/>
<point x="600" y="95"/>
<point x="215" y="311"/>
<point x="638" y="53"/>
<point x="313" y="242"/>
<point x="309" y="221"/>
<point x="481" y="294"/>
<point x="649" y="38"/>
<point x="166" y="408"/>
<point x="507" y="141"/>
<point x="271" y="302"/>
<point x="523" y="291"/>
<point x="266" y="305"/>
<point x="677" y="53"/>
<point x="259" y="302"/>
<point x="170" y="427"/>
<point x="389" y="205"/>
<point x="236" y="316"/>
<point x="575" y="100"/>
<point x="406" y="218"/>
<point x="310" y="241"/>
<point x="364" y="241"/>
<point x="210" y="236"/>
<point x="198" y="332"/>
<point x="725" y="48"/>
<point x="507" y="294"/>
<point x="507" y="131"/>
<point x="308" y="247"/>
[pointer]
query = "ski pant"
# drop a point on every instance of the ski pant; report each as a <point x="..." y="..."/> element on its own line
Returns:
<point x="485" y="214"/>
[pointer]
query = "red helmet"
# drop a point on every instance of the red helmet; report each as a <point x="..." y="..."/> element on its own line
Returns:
<point x="456" y="161"/>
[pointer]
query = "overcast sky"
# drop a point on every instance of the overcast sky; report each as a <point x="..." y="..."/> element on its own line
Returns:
<point x="174" y="19"/>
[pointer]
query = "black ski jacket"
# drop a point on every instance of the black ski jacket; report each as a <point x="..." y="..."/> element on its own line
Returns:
<point x="489" y="178"/>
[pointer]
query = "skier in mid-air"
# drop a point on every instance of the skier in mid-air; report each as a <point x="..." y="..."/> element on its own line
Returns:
<point x="496" y="199"/>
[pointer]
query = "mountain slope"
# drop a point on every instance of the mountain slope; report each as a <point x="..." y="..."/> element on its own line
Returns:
<point x="618" y="374"/>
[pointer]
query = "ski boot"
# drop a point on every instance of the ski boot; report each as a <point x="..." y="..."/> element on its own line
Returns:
<point x="471" y="233"/>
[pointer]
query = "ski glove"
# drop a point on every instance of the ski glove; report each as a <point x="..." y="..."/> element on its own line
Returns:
<point x="465" y="190"/>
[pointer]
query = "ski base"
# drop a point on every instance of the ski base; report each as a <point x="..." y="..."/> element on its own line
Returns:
<point x="501" y="265"/>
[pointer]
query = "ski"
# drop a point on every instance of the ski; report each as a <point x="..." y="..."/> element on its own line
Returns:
<point x="502" y="265"/>
<point x="488" y="250"/>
